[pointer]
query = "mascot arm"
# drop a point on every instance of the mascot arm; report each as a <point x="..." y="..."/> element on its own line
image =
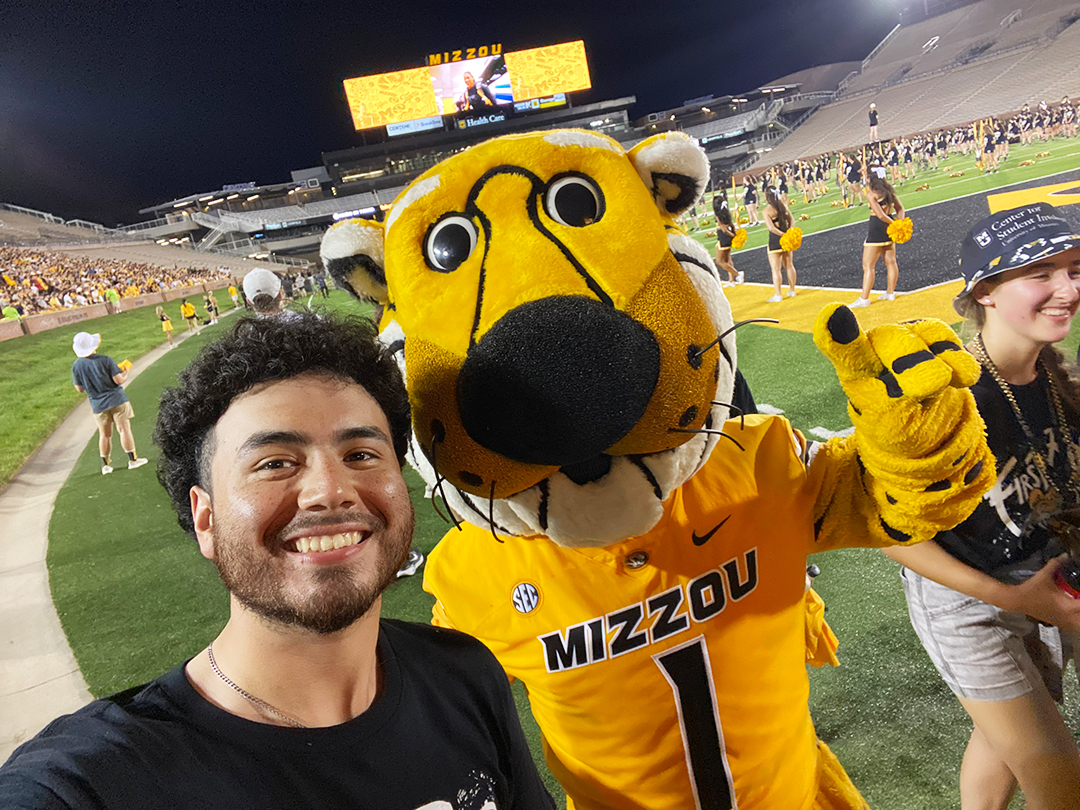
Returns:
<point x="918" y="463"/>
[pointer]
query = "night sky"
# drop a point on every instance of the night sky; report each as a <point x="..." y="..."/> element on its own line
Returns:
<point x="109" y="107"/>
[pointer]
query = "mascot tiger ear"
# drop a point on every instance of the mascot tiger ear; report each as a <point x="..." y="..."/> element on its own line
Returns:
<point x="674" y="168"/>
<point x="352" y="252"/>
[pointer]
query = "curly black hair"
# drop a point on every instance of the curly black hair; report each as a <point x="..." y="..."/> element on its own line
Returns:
<point x="259" y="350"/>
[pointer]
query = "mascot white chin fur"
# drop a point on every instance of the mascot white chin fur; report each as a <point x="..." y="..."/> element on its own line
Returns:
<point x="570" y="360"/>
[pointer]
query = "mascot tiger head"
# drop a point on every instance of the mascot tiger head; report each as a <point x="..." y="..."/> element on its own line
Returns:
<point x="558" y="332"/>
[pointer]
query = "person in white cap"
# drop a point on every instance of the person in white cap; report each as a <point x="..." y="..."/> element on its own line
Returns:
<point x="263" y="289"/>
<point x="102" y="380"/>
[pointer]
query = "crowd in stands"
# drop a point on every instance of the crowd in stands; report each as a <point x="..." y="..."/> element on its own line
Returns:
<point x="33" y="281"/>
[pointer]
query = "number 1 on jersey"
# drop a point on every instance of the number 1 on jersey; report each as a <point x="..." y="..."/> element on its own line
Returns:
<point x="688" y="672"/>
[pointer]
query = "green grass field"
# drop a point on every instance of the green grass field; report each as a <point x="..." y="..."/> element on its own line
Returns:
<point x="135" y="597"/>
<point x="1064" y="156"/>
<point x="35" y="375"/>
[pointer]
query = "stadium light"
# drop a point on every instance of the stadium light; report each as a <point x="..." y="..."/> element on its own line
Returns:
<point x="207" y="197"/>
<point x="215" y="202"/>
<point x="232" y="196"/>
<point x="252" y="197"/>
<point x="706" y="109"/>
<point x="182" y="204"/>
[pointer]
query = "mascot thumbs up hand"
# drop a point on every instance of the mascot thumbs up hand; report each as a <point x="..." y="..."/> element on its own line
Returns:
<point x="918" y="443"/>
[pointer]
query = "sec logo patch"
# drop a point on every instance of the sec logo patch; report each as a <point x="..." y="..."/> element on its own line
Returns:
<point x="525" y="598"/>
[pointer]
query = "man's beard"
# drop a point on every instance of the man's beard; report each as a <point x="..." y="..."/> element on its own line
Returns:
<point x="336" y="598"/>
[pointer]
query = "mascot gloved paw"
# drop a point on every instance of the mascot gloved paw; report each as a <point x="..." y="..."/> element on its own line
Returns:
<point x="919" y="440"/>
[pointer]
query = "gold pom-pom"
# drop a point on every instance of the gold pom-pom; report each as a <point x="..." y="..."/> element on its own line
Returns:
<point x="1042" y="154"/>
<point x="803" y="217"/>
<point x="923" y="187"/>
<point x="900" y="230"/>
<point x="791" y="240"/>
<point x="739" y="239"/>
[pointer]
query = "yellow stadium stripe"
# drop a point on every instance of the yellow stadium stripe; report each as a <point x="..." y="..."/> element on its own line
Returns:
<point x="1056" y="194"/>
<point x="799" y="313"/>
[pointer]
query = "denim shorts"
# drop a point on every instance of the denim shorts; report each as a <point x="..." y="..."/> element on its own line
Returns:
<point x="982" y="651"/>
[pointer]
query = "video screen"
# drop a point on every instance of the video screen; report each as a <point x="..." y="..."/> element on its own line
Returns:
<point x="473" y="85"/>
<point x="390" y="98"/>
<point x="471" y="89"/>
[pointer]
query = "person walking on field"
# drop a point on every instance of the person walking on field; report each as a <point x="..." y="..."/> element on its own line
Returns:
<point x="102" y="379"/>
<point x="187" y="311"/>
<point x="166" y="324"/>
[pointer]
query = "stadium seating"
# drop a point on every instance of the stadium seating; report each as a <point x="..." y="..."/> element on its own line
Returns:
<point x="995" y="84"/>
<point x="28" y="230"/>
<point x="959" y="36"/>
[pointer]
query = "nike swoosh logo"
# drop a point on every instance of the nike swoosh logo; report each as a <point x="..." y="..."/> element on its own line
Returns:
<point x="702" y="539"/>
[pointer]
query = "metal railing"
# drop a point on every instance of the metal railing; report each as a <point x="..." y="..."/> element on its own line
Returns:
<point x="880" y="45"/>
<point x="30" y="212"/>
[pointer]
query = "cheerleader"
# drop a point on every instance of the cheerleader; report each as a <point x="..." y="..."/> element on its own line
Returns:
<point x="854" y="178"/>
<point x="1001" y="142"/>
<point x="909" y="159"/>
<point x="166" y="324"/>
<point x="750" y="199"/>
<point x="892" y="158"/>
<point x="885" y="207"/>
<point x="1026" y="122"/>
<point x="778" y="219"/>
<point x="989" y="150"/>
<point x="1068" y="118"/>
<point x="821" y="167"/>
<point x="725" y="231"/>
<point x="783" y="188"/>
<point x="930" y="152"/>
<point x="1012" y="133"/>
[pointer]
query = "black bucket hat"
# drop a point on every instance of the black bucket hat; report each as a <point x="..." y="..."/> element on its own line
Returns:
<point x="1010" y="239"/>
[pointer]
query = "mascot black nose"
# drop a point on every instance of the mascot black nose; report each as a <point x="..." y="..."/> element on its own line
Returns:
<point x="557" y="381"/>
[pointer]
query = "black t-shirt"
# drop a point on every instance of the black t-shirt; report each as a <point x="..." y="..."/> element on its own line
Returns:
<point x="1003" y="538"/>
<point x="443" y="732"/>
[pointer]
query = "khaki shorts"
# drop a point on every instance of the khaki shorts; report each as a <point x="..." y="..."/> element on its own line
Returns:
<point x="121" y="411"/>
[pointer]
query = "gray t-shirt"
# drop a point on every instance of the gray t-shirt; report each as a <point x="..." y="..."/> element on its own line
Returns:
<point x="95" y="374"/>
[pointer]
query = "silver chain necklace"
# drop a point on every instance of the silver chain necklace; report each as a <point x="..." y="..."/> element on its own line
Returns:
<point x="259" y="703"/>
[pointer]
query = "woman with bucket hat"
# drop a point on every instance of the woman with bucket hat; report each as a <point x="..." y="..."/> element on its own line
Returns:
<point x="102" y="380"/>
<point x="985" y="598"/>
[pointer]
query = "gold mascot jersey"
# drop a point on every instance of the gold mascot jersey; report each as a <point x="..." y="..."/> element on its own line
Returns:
<point x="667" y="671"/>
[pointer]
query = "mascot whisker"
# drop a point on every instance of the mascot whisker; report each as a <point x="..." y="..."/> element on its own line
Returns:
<point x="570" y="359"/>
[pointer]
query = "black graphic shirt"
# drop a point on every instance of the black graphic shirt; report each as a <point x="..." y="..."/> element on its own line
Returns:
<point x="1006" y="537"/>
<point x="442" y="733"/>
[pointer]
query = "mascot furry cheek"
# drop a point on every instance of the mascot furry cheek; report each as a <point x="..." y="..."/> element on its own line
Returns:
<point x="558" y="333"/>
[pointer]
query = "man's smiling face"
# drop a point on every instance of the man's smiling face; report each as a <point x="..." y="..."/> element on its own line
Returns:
<point x="308" y="518"/>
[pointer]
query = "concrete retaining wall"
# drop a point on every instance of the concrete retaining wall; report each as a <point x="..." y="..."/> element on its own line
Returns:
<point x="50" y="320"/>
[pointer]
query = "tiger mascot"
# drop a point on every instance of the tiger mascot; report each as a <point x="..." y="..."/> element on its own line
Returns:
<point x="626" y="545"/>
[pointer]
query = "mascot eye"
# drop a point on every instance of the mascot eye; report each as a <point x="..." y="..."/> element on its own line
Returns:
<point x="574" y="201"/>
<point x="449" y="243"/>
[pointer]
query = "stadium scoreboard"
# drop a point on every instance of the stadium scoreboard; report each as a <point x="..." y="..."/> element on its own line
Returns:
<point x="468" y="87"/>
